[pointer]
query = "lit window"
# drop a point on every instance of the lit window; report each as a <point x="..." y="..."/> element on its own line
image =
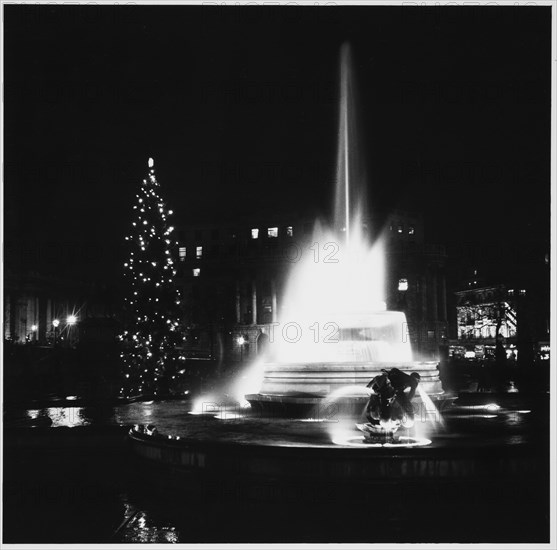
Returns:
<point x="411" y="230"/>
<point x="289" y="231"/>
<point x="198" y="252"/>
<point x="254" y="233"/>
<point x="403" y="285"/>
<point x="196" y="271"/>
<point x="182" y="253"/>
<point x="272" y="232"/>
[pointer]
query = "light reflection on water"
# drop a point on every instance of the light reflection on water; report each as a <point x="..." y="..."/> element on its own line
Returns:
<point x="143" y="529"/>
<point x="67" y="416"/>
<point x="229" y="416"/>
<point x="171" y="416"/>
<point x="359" y="441"/>
<point x="55" y="417"/>
<point x="138" y="526"/>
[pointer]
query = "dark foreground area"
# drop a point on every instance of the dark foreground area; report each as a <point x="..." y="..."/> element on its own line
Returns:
<point x="85" y="485"/>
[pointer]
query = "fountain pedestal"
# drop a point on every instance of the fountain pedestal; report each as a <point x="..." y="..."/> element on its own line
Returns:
<point x="306" y="389"/>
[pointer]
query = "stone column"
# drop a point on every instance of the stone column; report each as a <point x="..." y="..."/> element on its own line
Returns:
<point x="43" y="304"/>
<point x="238" y="304"/>
<point x="49" y="314"/>
<point x="424" y="317"/>
<point x="443" y="297"/>
<point x="7" y="315"/>
<point x="423" y="299"/>
<point x="21" y="319"/>
<point x="32" y="316"/>
<point x="274" y="300"/>
<point x="253" y="303"/>
<point x="433" y="344"/>
<point x="433" y="295"/>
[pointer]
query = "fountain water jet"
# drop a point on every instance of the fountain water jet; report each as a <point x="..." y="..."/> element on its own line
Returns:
<point x="342" y="295"/>
<point x="341" y="333"/>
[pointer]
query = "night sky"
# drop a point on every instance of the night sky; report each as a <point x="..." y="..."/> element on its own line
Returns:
<point x="238" y="107"/>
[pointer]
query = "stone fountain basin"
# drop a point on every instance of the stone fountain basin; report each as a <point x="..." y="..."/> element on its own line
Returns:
<point x="321" y="379"/>
<point x="470" y="448"/>
<point x="297" y="389"/>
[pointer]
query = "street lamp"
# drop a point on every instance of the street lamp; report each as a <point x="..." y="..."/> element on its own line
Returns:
<point x="241" y="341"/>
<point x="55" y="324"/>
<point x="403" y="285"/>
<point x="70" y="321"/>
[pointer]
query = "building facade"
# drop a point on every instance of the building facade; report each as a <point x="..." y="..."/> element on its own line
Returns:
<point x="506" y="299"/>
<point x="488" y="314"/>
<point x="45" y="310"/>
<point x="234" y="279"/>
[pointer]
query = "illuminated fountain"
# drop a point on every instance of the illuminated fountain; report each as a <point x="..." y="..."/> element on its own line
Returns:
<point x="294" y="466"/>
<point x="334" y="330"/>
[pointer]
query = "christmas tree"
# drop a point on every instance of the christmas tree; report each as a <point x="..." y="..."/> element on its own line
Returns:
<point x="152" y="361"/>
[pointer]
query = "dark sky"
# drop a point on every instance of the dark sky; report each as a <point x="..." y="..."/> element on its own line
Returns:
<point x="238" y="106"/>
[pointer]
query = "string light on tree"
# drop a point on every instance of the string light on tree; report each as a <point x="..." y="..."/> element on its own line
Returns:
<point x="152" y="332"/>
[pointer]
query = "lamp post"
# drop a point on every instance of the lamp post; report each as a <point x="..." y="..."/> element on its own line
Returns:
<point x="71" y="320"/>
<point x="241" y="341"/>
<point x="55" y="324"/>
